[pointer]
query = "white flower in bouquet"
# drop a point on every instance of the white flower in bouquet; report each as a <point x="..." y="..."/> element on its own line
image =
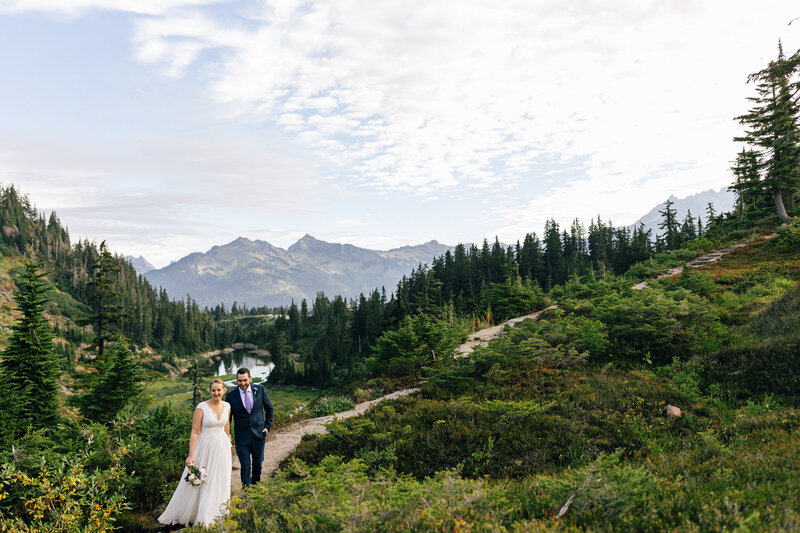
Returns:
<point x="196" y="476"/>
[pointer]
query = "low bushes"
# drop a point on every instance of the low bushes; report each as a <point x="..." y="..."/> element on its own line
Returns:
<point x="654" y="324"/>
<point x="126" y="468"/>
<point x="713" y="482"/>
<point x="789" y="236"/>
<point x="771" y="366"/>
<point x="339" y="495"/>
<point x="782" y="317"/>
<point x="328" y="405"/>
<point x="509" y="300"/>
<point x="510" y="418"/>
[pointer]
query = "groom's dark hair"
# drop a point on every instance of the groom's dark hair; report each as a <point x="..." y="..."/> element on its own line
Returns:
<point x="243" y="371"/>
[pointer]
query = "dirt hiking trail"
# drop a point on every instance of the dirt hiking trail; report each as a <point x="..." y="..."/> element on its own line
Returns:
<point x="283" y="441"/>
<point x="711" y="257"/>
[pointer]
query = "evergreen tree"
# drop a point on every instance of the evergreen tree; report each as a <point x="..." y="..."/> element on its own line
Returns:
<point x="672" y="234"/>
<point x="554" y="254"/>
<point x="688" y="229"/>
<point x="29" y="366"/>
<point x="295" y="324"/>
<point x="304" y="312"/>
<point x="747" y="184"/>
<point x="772" y="125"/>
<point x="710" y="213"/>
<point x="108" y="313"/>
<point x="530" y="259"/>
<point x="116" y="388"/>
<point x="641" y="245"/>
<point x="283" y="371"/>
<point x="576" y="249"/>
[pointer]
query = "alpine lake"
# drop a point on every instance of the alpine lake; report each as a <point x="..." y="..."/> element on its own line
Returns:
<point x="178" y="391"/>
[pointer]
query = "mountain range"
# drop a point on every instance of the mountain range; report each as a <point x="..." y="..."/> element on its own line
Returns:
<point x="256" y="273"/>
<point x="139" y="264"/>
<point x="722" y="199"/>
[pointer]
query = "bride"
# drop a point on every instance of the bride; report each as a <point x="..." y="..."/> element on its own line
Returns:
<point x="209" y="448"/>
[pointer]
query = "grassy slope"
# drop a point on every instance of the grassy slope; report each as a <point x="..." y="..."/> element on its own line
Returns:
<point x="503" y="443"/>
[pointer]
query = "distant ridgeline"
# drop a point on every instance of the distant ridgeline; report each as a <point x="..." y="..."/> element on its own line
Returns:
<point x="334" y="334"/>
<point x="335" y="340"/>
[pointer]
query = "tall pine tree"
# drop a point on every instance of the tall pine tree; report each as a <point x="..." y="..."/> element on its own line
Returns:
<point x="747" y="183"/>
<point x="29" y="366"/>
<point x="772" y="125"/>
<point x="108" y="313"/>
<point x="672" y="232"/>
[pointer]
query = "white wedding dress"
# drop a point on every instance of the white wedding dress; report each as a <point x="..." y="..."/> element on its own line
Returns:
<point x="204" y="503"/>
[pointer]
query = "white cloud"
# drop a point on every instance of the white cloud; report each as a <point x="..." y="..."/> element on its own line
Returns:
<point x="419" y="95"/>
<point x="169" y="197"/>
<point x="536" y="109"/>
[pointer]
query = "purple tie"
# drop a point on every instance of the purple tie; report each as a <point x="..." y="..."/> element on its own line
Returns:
<point x="248" y="402"/>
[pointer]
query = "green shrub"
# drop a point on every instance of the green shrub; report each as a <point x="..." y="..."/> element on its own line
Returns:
<point x="158" y="445"/>
<point x="700" y="283"/>
<point x="339" y="496"/>
<point x="68" y="498"/>
<point x="581" y="333"/>
<point x="788" y="238"/>
<point x="149" y="450"/>
<point x="752" y="279"/>
<point x="328" y="405"/>
<point x="66" y="478"/>
<point x="417" y="341"/>
<point x="663" y="324"/>
<point x="771" y="366"/>
<point x="782" y="317"/>
<point x="603" y="488"/>
<point x="509" y="300"/>
<point x="511" y="420"/>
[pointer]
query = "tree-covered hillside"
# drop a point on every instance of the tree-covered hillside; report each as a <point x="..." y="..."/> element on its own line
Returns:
<point x="149" y="317"/>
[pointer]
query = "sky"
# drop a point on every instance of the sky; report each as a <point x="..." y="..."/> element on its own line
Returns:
<point x="166" y="127"/>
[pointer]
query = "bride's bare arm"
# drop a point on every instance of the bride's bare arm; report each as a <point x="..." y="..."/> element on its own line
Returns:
<point x="197" y="425"/>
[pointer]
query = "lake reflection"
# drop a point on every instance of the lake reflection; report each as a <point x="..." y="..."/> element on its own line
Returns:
<point x="231" y="362"/>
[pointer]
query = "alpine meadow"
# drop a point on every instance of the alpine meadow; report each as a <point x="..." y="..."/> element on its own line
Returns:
<point x="653" y="385"/>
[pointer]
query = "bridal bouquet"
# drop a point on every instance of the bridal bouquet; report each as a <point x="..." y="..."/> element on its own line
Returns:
<point x="196" y="476"/>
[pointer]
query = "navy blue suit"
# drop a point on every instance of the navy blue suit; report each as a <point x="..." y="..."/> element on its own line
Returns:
<point x="248" y="430"/>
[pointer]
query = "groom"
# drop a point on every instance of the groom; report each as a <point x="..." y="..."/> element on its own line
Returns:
<point x="252" y="413"/>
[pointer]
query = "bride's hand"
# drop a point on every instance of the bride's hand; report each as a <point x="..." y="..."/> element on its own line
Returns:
<point x="189" y="461"/>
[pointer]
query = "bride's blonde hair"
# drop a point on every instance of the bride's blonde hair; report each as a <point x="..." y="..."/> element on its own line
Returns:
<point x="224" y="388"/>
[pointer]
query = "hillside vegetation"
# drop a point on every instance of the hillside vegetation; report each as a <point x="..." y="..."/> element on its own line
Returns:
<point x="569" y="422"/>
<point x="570" y="410"/>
